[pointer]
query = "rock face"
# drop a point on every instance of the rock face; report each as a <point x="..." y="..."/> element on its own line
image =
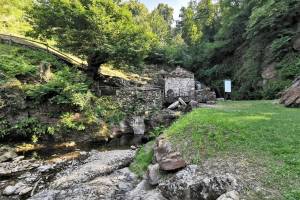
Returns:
<point x="188" y="184"/>
<point x="291" y="97"/>
<point x="7" y="153"/>
<point x="101" y="176"/>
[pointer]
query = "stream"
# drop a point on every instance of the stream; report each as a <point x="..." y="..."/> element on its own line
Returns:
<point x="65" y="171"/>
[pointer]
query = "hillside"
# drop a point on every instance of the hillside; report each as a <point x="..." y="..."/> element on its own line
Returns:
<point x="41" y="97"/>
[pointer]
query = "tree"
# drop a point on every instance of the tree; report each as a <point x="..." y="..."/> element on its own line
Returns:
<point x="161" y="20"/>
<point x="99" y="30"/>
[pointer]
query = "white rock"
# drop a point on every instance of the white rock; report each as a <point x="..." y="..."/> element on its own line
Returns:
<point x="232" y="195"/>
<point x="25" y="190"/>
<point x="9" y="190"/>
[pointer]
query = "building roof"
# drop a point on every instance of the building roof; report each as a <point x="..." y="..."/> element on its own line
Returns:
<point x="180" y="72"/>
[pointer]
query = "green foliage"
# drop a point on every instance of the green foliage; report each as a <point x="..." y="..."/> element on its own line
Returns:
<point x="13" y="67"/>
<point x="20" y="61"/>
<point x="262" y="130"/>
<point x="142" y="159"/>
<point x="27" y="128"/>
<point x="157" y="131"/>
<point x="69" y="122"/>
<point x="237" y="39"/>
<point x="61" y="89"/>
<point x="108" y="109"/>
<point x="102" y="30"/>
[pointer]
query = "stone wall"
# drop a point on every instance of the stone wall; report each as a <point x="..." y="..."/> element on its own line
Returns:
<point x="138" y="100"/>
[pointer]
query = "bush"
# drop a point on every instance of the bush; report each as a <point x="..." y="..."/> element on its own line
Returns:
<point x="28" y="128"/>
<point x="60" y="89"/>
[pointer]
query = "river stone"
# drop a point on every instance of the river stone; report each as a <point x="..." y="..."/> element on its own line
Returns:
<point x="171" y="162"/>
<point x="9" y="190"/>
<point x="153" y="174"/>
<point x="7" y="153"/>
<point x="25" y="190"/>
<point x="232" y="195"/>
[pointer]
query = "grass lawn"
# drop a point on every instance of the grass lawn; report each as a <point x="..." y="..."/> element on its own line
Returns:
<point x="263" y="130"/>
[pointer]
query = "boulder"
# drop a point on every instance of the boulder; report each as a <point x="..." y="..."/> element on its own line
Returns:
<point x="162" y="148"/>
<point x="153" y="174"/>
<point x="162" y="118"/>
<point x="205" y="95"/>
<point x="9" y="190"/>
<point x="7" y="154"/>
<point x="291" y="97"/>
<point x="190" y="184"/>
<point x="212" y="187"/>
<point x="171" y="162"/>
<point x="193" y="104"/>
<point x="232" y="195"/>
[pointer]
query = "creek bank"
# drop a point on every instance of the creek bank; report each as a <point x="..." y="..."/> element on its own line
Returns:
<point x="105" y="175"/>
<point x="182" y="182"/>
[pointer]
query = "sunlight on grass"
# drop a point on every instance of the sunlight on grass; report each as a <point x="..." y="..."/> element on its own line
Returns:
<point x="251" y="127"/>
<point x="108" y="70"/>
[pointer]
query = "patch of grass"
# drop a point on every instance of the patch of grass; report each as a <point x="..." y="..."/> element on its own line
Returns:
<point x="109" y="70"/>
<point x="259" y="128"/>
<point x="142" y="159"/>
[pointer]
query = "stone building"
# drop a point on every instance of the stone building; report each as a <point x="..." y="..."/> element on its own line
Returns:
<point x="179" y="83"/>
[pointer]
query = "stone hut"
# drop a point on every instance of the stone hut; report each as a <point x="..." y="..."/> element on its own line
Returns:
<point x="179" y="83"/>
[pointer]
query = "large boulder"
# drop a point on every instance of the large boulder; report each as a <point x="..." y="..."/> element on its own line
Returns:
<point x="167" y="158"/>
<point x="153" y="174"/>
<point x="171" y="162"/>
<point x="190" y="184"/>
<point x="291" y="97"/>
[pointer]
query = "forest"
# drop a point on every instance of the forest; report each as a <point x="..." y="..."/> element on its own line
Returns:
<point x="253" y="43"/>
<point x="109" y="99"/>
